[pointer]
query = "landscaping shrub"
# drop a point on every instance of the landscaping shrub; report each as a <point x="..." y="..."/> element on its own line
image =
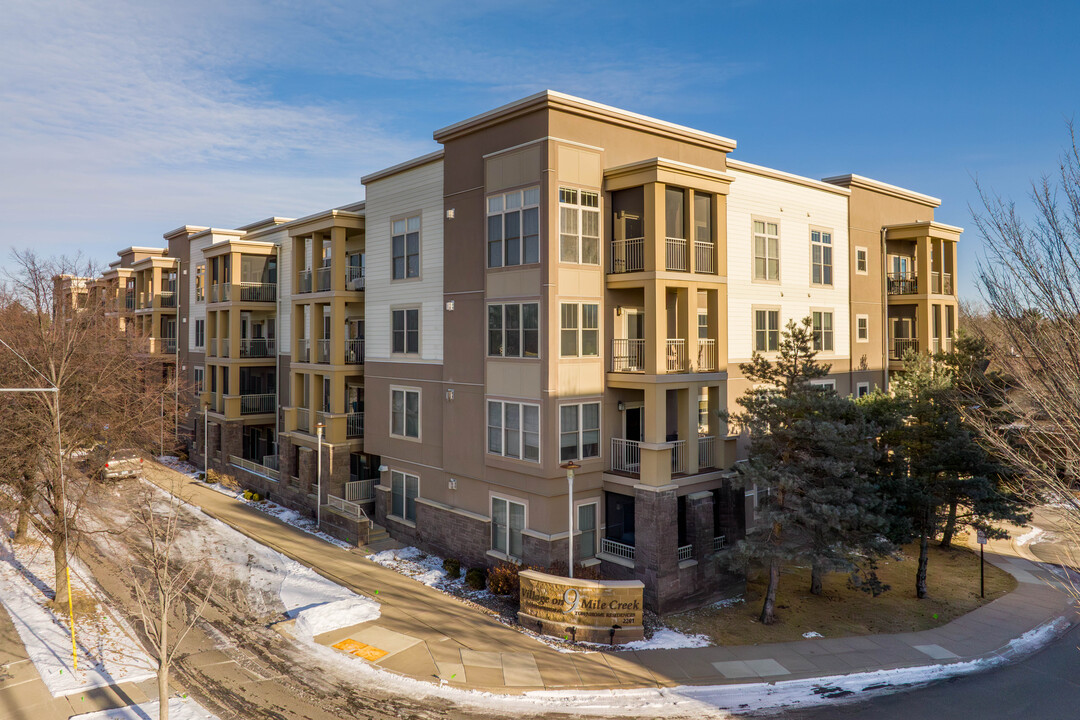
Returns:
<point x="452" y="566"/>
<point x="182" y="456"/>
<point x="255" y="497"/>
<point x="581" y="572"/>
<point x="247" y="494"/>
<point x="474" y="578"/>
<point x="503" y="579"/>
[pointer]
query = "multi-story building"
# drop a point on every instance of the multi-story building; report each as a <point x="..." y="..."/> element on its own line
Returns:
<point x="562" y="282"/>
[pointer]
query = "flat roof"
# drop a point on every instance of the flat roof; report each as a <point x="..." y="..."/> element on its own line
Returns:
<point x="763" y="171"/>
<point x="265" y="222"/>
<point x="865" y="183"/>
<point x="402" y="167"/>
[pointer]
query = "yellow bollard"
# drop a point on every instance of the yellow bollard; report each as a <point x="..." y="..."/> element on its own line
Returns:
<point x="71" y="618"/>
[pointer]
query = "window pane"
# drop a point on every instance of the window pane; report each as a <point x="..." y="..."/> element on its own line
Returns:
<point x="495" y="335"/>
<point x="513" y="238"/>
<point x="495" y="204"/>
<point x="568" y="432"/>
<point x="590" y="334"/>
<point x="569" y="330"/>
<point x="513" y="331"/>
<point x="412" y="489"/>
<point x="412" y="326"/>
<point x="412" y="414"/>
<point x="414" y="223"/>
<point x="531" y="330"/>
<point x="495" y="251"/>
<point x="512" y="430"/>
<point x="397" y="412"/>
<point x="398" y="227"/>
<point x="398" y="492"/>
<point x="495" y="427"/>
<point x="530" y="432"/>
<point x="498" y="524"/>
<point x="513" y="200"/>
<point x="532" y="196"/>
<point x="703" y="217"/>
<point x="759" y="227"/>
<point x="517" y="524"/>
<point x="675" y="222"/>
<point x="531" y="239"/>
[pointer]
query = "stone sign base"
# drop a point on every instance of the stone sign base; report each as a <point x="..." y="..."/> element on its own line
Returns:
<point x="585" y="610"/>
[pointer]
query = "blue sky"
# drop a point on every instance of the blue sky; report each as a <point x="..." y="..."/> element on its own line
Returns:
<point x="122" y="120"/>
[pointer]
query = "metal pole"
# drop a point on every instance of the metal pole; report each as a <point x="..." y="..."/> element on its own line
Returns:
<point x="570" y="538"/>
<point x="206" y="439"/>
<point x="318" y="478"/>
<point x="982" y="581"/>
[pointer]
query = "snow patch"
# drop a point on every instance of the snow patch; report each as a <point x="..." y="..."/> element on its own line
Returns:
<point x="812" y="634"/>
<point x="179" y="709"/>
<point x="1033" y="534"/>
<point x="414" y="563"/>
<point x="667" y="640"/>
<point x="334" y="616"/>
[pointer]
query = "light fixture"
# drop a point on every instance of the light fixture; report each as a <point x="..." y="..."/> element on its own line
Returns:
<point x="618" y="309"/>
<point x="621" y="406"/>
<point x="450" y="393"/>
<point x="383" y="468"/>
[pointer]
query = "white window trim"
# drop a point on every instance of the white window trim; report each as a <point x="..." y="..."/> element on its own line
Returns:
<point x="754" y="310"/>
<point x="832" y="258"/>
<point x="578" y="504"/>
<point x="502" y="243"/>
<point x="390" y="512"/>
<point x="581" y="329"/>
<point x="419" y="413"/>
<point x="860" y="386"/>
<point x="521" y="430"/>
<point x="539" y="336"/>
<point x="825" y="382"/>
<point x="753" y="252"/>
<point x="196" y="333"/>
<point x="419" y="335"/>
<point x="198" y="376"/>
<point x="857" y="319"/>
<point x="524" y="523"/>
<point x="419" y="247"/>
<point x="579" y="209"/>
<point x="580" y="430"/>
<point x="865" y="252"/>
<point x="823" y="311"/>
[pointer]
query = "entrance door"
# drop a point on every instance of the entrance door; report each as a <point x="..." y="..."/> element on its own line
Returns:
<point x="635" y="335"/>
<point x="634" y="423"/>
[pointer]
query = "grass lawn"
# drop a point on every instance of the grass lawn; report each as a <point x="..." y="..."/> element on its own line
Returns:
<point x="952" y="581"/>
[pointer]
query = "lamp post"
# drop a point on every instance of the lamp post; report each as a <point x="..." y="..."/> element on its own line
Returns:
<point x="570" y="467"/>
<point x="318" y="476"/>
<point x="206" y="440"/>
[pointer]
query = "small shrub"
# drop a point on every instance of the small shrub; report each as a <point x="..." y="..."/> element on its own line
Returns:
<point x="474" y="578"/>
<point x="503" y="579"/>
<point x="182" y="456"/>
<point x="247" y="494"/>
<point x="452" y="566"/>
<point x="255" y="497"/>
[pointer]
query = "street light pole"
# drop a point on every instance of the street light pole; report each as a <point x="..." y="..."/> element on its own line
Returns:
<point x="318" y="477"/>
<point x="206" y="440"/>
<point x="570" y="467"/>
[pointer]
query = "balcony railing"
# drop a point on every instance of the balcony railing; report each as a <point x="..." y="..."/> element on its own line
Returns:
<point x="254" y="467"/>
<point x="346" y="507"/>
<point x="354" y="425"/>
<point x="324" y="351"/>
<point x="676" y="355"/>
<point x="129" y="300"/>
<point x="258" y="292"/>
<point x="168" y="298"/>
<point x="224" y="348"/>
<point x="706" y="451"/>
<point x="903" y="283"/>
<point x="947" y="287"/>
<point x="220" y="292"/>
<point x="678" y="457"/>
<point x="706" y="355"/>
<point x="257" y="347"/>
<point x="354" y="277"/>
<point x="303" y="420"/>
<point x="899" y="347"/>
<point x="719" y="543"/>
<point x="676" y="256"/>
<point x="616" y="548"/>
<point x="303" y="281"/>
<point x="303" y="350"/>
<point x="258" y="404"/>
<point x="354" y="351"/>
<point x="625" y="455"/>
<point x="685" y="552"/>
<point x="211" y="347"/>
<point x="704" y="257"/>
<point x="627" y="355"/>
<point x="935" y="281"/>
<point x="947" y="344"/>
<point x="628" y="255"/>
<point x="270" y="461"/>
<point x="360" y="490"/>
<point x="323" y="278"/>
<point x="168" y="346"/>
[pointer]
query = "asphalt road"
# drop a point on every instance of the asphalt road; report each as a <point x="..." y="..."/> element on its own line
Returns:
<point x="1044" y="686"/>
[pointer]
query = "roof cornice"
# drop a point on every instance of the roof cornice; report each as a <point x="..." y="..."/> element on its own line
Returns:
<point x="864" y="183"/>
<point x="402" y="167"/>
<point x="752" y="169"/>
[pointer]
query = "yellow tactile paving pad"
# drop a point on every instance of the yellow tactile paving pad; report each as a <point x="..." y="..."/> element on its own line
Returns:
<point x="360" y="650"/>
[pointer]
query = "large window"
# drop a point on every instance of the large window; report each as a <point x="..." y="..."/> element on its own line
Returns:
<point x="823" y="331"/>
<point x="580" y="334"/>
<point x="821" y="257"/>
<point x="514" y="330"/>
<point x="200" y="282"/>
<point x="766" y="330"/>
<point x="585" y="532"/>
<point x="579" y="431"/>
<point x="507" y="522"/>
<point x="514" y="228"/>
<point x="766" y="250"/>
<point x="405" y="241"/>
<point x="200" y="333"/>
<point x="514" y="430"/>
<point x="579" y="226"/>
<point x="406" y="330"/>
<point x="403" y="491"/>
<point x="405" y="413"/>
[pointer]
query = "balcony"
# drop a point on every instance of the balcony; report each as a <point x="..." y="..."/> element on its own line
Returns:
<point x="627" y="355"/>
<point x="257" y="347"/>
<point x="626" y="455"/>
<point x="354" y="425"/>
<point x="167" y="346"/>
<point x="676" y="256"/>
<point x="224" y="347"/>
<point x="258" y="404"/>
<point x="618" y="549"/>
<point x="129" y="300"/>
<point x="706" y="355"/>
<point x="303" y="281"/>
<point x="220" y="292"/>
<point x="354" y="278"/>
<point x="354" y="351"/>
<point x="211" y="348"/>
<point x="947" y="286"/>
<point x="168" y="298"/>
<point x="678" y="457"/>
<point x="253" y="467"/>
<point x="258" y="292"/>
<point x="303" y="420"/>
<point x="323" y="351"/>
<point x="628" y="255"/>
<point x="899" y="347"/>
<point x="323" y="278"/>
<point x="685" y="552"/>
<point x="303" y="350"/>
<point x="676" y="356"/>
<point x="719" y="543"/>
<point x="706" y="451"/>
<point x="704" y="257"/>
<point x="360" y="490"/>
<point x="903" y="283"/>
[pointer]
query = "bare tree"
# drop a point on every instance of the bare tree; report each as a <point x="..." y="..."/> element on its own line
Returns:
<point x="171" y="590"/>
<point x="1030" y="283"/>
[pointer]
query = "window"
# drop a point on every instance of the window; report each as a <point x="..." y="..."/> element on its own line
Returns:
<point x="406" y="330"/>
<point x="405" y="413"/>
<point x="514" y="330"/>
<point x="514" y="430"/>
<point x="197" y="376"/>
<point x="580" y="339"/>
<point x="766" y="250"/>
<point x="861" y="263"/>
<point x="405" y="241"/>
<point x="200" y="333"/>
<point x="821" y="257"/>
<point x="585" y="533"/>
<point x="862" y="389"/>
<point x="200" y="282"/>
<point x="507" y="522"/>
<point x="703" y="326"/>
<point x="514" y="228"/>
<point x="766" y="330"/>
<point x="579" y="226"/>
<point x="823" y="331"/>
<point x="830" y="384"/>
<point x="579" y="431"/>
<point x="862" y="328"/>
<point x="403" y="491"/>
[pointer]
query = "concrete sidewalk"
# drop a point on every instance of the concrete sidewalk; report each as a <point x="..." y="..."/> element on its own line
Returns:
<point x="429" y="635"/>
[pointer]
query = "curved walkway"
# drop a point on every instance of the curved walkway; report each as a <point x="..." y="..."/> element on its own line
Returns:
<point x="428" y="635"/>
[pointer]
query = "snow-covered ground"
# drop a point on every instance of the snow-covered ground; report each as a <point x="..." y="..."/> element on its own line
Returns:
<point x="667" y="639"/>
<point x="1033" y="534"/>
<point x="179" y="709"/>
<point x="107" y="652"/>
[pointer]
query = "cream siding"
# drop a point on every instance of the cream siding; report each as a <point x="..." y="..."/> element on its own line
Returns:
<point x="196" y="308"/>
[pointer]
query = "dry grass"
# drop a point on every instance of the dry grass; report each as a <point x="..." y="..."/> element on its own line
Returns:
<point x="952" y="579"/>
<point x="82" y="605"/>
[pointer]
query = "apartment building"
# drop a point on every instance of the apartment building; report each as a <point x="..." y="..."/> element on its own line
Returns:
<point x="562" y="282"/>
